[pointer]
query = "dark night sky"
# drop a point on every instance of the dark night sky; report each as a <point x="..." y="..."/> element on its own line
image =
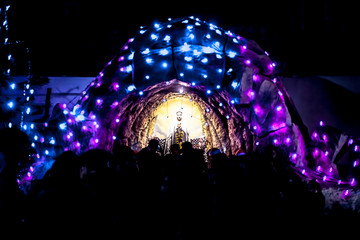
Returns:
<point x="77" y="38"/>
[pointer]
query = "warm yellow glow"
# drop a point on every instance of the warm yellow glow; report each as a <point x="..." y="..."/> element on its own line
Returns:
<point x="166" y="117"/>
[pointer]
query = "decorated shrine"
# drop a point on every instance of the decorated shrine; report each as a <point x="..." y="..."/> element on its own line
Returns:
<point x="190" y="80"/>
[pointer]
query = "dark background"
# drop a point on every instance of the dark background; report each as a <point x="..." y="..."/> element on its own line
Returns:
<point x="77" y="38"/>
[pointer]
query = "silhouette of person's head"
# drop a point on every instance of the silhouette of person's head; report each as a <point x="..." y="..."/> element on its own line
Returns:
<point x="175" y="149"/>
<point x="153" y="145"/>
<point x="187" y="147"/>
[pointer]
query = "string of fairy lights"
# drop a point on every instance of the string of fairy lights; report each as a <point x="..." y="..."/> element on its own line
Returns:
<point x="78" y="123"/>
<point x="17" y="102"/>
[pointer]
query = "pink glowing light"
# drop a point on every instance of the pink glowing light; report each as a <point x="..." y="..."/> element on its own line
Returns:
<point x="114" y="104"/>
<point x="356" y="163"/>
<point x="257" y="110"/>
<point x="324" y="137"/>
<point x="353" y="182"/>
<point x="316" y="153"/>
<point x="278" y="125"/>
<point x="314" y="135"/>
<point x="99" y="101"/>
<point x="251" y="94"/>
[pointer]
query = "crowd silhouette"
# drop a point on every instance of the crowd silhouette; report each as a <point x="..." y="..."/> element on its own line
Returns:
<point x="184" y="194"/>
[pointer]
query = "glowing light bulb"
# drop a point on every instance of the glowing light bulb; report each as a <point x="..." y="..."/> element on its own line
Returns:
<point x="62" y="126"/>
<point x="154" y="36"/>
<point x="149" y="60"/>
<point x="185" y="47"/>
<point x="163" y="52"/>
<point x="131" y="88"/>
<point x="231" y="54"/>
<point x="11" y="104"/>
<point x="146" y="51"/>
<point x="187" y="58"/>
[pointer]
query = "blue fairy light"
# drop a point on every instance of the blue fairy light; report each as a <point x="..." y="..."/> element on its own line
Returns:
<point x="208" y="50"/>
<point x="128" y="68"/>
<point x="131" y="56"/>
<point x="188" y="58"/>
<point x="10" y="104"/>
<point x="149" y="60"/>
<point x="164" y="52"/>
<point x="167" y="38"/>
<point x="146" y="51"/>
<point x="154" y="36"/>
<point x="234" y="84"/>
<point x="62" y="126"/>
<point x="231" y="54"/>
<point x="204" y="60"/>
<point x="131" y="88"/>
<point x="185" y="47"/>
